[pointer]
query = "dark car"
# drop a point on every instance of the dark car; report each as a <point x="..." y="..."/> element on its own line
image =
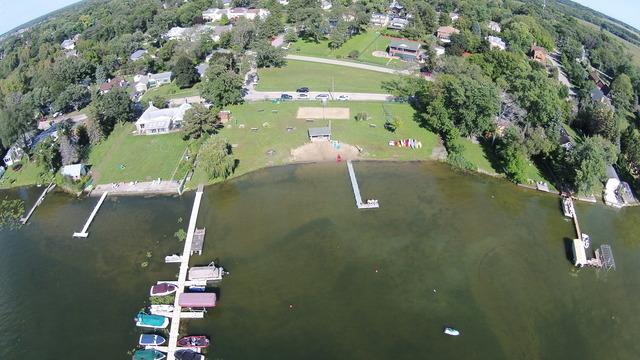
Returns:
<point x="303" y="90"/>
<point x="286" y="97"/>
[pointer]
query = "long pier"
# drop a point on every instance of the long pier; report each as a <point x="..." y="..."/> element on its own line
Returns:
<point x="84" y="233"/>
<point x="38" y="202"/>
<point x="356" y="190"/>
<point x="182" y="277"/>
<point x="575" y="220"/>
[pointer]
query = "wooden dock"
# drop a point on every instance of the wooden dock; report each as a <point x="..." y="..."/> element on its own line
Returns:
<point x="182" y="277"/>
<point x="356" y="190"/>
<point x="84" y="233"/>
<point x="575" y="220"/>
<point x="47" y="190"/>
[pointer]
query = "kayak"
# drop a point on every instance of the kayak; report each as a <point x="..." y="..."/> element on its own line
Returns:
<point x="162" y="289"/>
<point x="194" y="341"/>
<point x="148" y="354"/>
<point x="151" y="340"/>
<point x="451" y="331"/>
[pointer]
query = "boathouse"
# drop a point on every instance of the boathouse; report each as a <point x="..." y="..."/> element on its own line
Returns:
<point x="197" y="300"/>
<point x="579" y="253"/>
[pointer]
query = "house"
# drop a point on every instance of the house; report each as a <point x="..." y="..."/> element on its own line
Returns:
<point x="378" y="19"/>
<point x="599" y="97"/>
<point x="444" y="33"/>
<point x="398" y="23"/>
<point x="68" y="44"/>
<point x="115" y="82"/>
<point x="538" y="53"/>
<point x="494" y="26"/>
<point x="202" y="68"/>
<point x="326" y="5"/>
<point x="404" y="49"/>
<point x="159" y="79"/>
<point x="283" y="2"/>
<point x="395" y="7"/>
<point x="224" y="116"/>
<point x="565" y="139"/>
<point x="158" y="121"/>
<point x="75" y="171"/>
<point x="140" y="83"/>
<point x="320" y="134"/>
<point x="439" y="50"/>
<point x="496" y="43"/>
<point x="137" y="55"/>
<point x="213" y="14"/>
<point x="234" y="13"/>
<point x="219" y="30"/>
<point x="175" y="33"/>
<point x="14" y="155"/>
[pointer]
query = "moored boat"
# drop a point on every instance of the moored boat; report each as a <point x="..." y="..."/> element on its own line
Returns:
<point x="160" y="309"/>
<point x="586" y="240"/>
<point x="151" y="321"/>
<point x="197" y="288"/>
<point x="170" y="259"/>
<point x="148" y="354"/>
<point x="151" y="340"/>
<point x="567" y="207"/>
<point x="194" y="341"/>
<point x="451" y="331"/>
<point x="188" y="355"/>
<point x="162" y="289"/>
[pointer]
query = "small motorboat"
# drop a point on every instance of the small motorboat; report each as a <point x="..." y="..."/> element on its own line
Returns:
<point x="188" y="355"/>
<point x="148" y="354"/>
<point x="586" y="241"/>
<point x="160" y="309"/>
<point x="162" y="289"/>
<point x="567" y="207"/>
<point x="172" y="259"/>
<point x="151" y="321"/>
<point x="451" y="331"/>
<point x="151" y="340"/>
<point x="194" y="341"/>
<point x="197" y="288"/>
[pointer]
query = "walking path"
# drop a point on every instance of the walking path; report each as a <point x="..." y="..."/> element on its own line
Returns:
<point x="182" y="276"/>
<point x="84" y="233"/>
<point x="381" y="69"/>
<point x="136" y="188"/>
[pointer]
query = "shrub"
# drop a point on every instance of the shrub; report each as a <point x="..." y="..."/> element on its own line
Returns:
<point x="353" y="54"/>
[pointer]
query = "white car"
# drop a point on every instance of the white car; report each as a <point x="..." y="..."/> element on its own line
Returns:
<point x="303" y="96"/>
<point x="322" y="97"/>
<point x="343" y="97"/>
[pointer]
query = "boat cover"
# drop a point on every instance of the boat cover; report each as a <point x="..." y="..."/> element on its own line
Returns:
<point x="148" y="355"/>
<point x="188" y="355"/>
<point x="204" y="273"/>
<point x="151" y="339"/>
<point x="162" y="288"/>
<point x="197" y="300"/>
<point x="150" y="320"/>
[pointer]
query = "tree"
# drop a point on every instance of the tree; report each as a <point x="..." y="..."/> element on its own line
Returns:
<point x="600" y="119"/>
<point x="215" y="157"/>
<point x="269" y="56"/>
<point x="622" y="94"/>
<point x="222" y="87"/>
<point x="512" y="156"/>
<point x="630" y="146"/>
<point x="69" y="153"/>
<point x="185" y="73"/>
<point x="47" y="155"/>
<point x="159" y="101"/>
<point x="108" y="110"/>
<point x="339" y="35"/>
<point x="199" y="121"/>
<point x="100" y="75"/>
<point x="590" y="160"/>
<point x="270" y="27"/>
<point x="73" y="97"/>
<point x="313" y="25"/>
<point x="16" y="119"/>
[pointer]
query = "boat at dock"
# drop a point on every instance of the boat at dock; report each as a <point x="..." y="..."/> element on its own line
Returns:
<point x="151" y="321"/>
<point x="160" y="309"/>
<point x="162" y="289"/>
<point x="197" y="288"/>
<point x="567" y="207"/>
<point x="172" y="259"/>
<point x="451" y="331"/>
<point x="197" y="300"/>
<point x="586" y="240"/>
<point x="148" y="354"/>
<point x="207" y="273"/>
<point x="188" y="355"/>
<point x="151" y="340"/>
<point x="193" y="342"/>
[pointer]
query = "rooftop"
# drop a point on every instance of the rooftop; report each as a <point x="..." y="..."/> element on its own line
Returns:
<point x="405" y="44"/>
<point x="319" y="131"/>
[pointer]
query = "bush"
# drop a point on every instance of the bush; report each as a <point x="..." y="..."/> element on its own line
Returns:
<point x="361" y="116"/>
<point x="353" y="54"/>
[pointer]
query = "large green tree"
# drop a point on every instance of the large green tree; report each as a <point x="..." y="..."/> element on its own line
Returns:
<point x="622" y="94"/>
<point x="216" y="159"/>
<point x="590" y="159"/>
<point x="222" y="87"/>
<point x="185" y="74"/>
<point x="109" y="109"/>
<point x="199" y="121"/>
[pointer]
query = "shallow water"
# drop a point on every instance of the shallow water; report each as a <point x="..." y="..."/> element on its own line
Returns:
<point x="444" y="249"/>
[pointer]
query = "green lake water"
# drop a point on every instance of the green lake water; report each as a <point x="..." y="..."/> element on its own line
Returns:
<point x="361" y="282"/>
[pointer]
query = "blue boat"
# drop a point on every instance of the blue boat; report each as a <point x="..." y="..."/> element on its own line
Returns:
<point x="151" y="321"/>
<point x="151" y="340"/>
<point x="197" y="288"/>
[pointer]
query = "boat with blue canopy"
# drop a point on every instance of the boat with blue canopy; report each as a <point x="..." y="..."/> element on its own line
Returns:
<point x="151" y="321"/>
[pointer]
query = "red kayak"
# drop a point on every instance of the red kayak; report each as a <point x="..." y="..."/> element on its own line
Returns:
<point x="194" y="341"/>
<point x="162" y="289"/>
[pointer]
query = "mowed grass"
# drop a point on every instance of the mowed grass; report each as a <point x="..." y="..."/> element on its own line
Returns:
<point x="321" y="77"/>
<point x="28" y="174"/>
<point x="252" y="147"/>
<point x="169" y="91"/>
<point x="143" y="158"/>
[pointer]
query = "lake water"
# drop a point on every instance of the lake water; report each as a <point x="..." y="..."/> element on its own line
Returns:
<point x="444" y="249"/>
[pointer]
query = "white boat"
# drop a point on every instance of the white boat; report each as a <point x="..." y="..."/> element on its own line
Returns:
<point x="586" y="241"/>
<point x="206" y="273"/>
<point x="161" y="309"/>
<point x="171" y="259"/>
<point x="567" y="207"/>
<point x="451" y="331"/>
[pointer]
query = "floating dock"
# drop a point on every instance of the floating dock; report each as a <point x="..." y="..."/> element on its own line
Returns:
<point x="198" y="241"/>
<point x="38" y="202"/>
<point x="84" y="233"/>
<point x="370" y="204"/>
<point x="174" y="330"/>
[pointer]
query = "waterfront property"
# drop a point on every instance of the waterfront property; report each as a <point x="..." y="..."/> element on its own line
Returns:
<point x="320" y="133"/>
<point x="160" y="121"/>
<point x="75" y="172"/>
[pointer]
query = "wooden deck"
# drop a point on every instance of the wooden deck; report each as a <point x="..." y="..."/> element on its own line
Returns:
<point x="47" y="190"/>
<point x="356" y="190"/>
<point x="84" y="233"/>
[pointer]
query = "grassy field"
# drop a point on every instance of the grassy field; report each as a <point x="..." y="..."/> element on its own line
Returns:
<point x="364" y="43"/>
<point x="27" y="175"/>
<point x="321" y="77"/>
<point x="272" y="120"/>
<point x="126" y="157"/>
<point x="169" y="91"/>
<point x="633" y="49"/>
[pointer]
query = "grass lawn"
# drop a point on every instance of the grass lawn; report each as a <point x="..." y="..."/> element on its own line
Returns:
<point x="251" y="147"/>
<point x="28" y="174"/>
<point x="475" y="154"/>
<point x="144" y="158"/>
<point x="364" y="43"/>
<point x="319" y="77"/>
<point x="169" y="91"/>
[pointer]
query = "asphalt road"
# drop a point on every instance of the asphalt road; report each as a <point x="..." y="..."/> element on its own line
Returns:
<point x="273" y="95"/>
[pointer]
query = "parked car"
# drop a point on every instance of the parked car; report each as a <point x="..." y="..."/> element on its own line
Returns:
<point x="55" y="115"/>
<point x="343" y="97"/>
<point x="322" y="97"/>
<point x="286" y="97"/>
<point x="303" y="96"/>
<point x="303" y="90"/>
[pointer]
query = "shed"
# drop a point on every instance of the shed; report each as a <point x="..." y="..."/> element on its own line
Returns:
<point x="197" y="300"/>
<point x="225" y="116"/>
<point x="75" y="171"/>
<point x="320" y="134"/>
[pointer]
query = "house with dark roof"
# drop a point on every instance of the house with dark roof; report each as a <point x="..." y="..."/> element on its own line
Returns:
<point x="117" y="81"/>
<point x="405" y="49"/>
<point x="320" y="133"/>
<point x="598" y="96"/>
<point x="444" y="33"/>
<point x="398" y="23"/>
<point x="137" y="55"/>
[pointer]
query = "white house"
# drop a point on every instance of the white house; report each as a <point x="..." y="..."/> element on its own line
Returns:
<point x="398" y="23"/>
<point x="75" y="171"/>
<point x="159" y="79"/>
<point x="213" y="14"/>
<point x="219" y="30"/>
<point x="14" y="155"/>
<point x="175" y="33"/>
<point x="496" y="42"/>
<point x="137" y="55"/>
<point x="159" y="121"/>
<point x="234" y="13"/>
<point x="68" y="44"/>
<point x="494" y="26"/>
<point x="378" y="19"/>
<point x="454" y="16"/>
